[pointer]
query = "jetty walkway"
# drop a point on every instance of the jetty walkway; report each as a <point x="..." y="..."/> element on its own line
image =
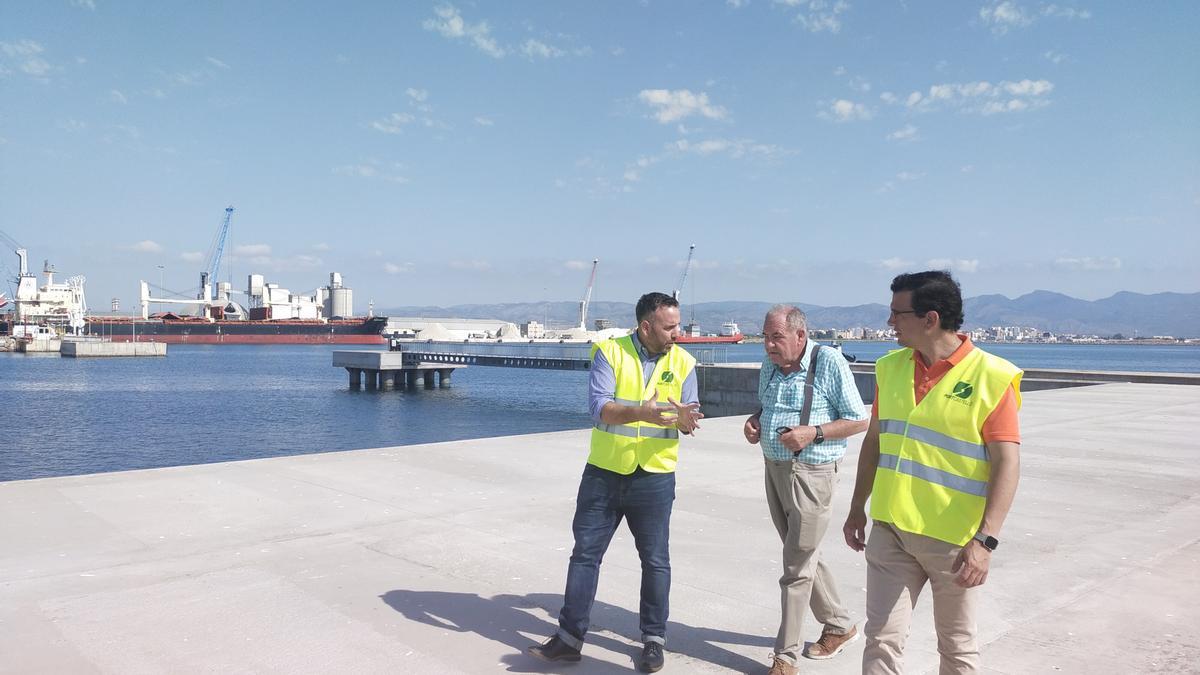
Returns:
<point x="450" y="557"/>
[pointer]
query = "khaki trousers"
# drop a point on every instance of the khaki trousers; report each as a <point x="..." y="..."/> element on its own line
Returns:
<point x="799" y="496"/>
<point x="898" y="565"/>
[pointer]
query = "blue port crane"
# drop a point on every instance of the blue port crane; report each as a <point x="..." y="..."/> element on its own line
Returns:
<point x="213" y="261"/>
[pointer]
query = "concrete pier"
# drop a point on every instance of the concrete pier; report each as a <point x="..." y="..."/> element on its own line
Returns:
<point x="451" y="557"/>
<point x="387" y="371"/>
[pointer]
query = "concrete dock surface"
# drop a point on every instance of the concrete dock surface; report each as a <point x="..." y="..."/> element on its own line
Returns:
<point x="451" y="557"/>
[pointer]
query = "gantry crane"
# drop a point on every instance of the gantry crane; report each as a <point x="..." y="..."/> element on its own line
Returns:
<point x="212" y="262"/>
<point x="683" y="277"/>
<point x="587" y="297"/>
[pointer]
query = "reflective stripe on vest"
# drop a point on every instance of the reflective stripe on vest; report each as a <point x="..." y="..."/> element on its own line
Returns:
<point x="933" y="470"/>
<point x="928" y="473"/>
<point x="935" y="438"/>
<point x="622" y="448"/>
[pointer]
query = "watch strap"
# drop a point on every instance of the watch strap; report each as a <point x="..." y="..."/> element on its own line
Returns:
<point x="989" y="542"/>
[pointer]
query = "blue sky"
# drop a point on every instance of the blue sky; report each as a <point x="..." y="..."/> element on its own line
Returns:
<point x="439" y="153"/>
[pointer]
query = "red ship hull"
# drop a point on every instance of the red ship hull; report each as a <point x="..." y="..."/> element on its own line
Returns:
<point x="709" y="339"/>
<point x="281" y="332"/>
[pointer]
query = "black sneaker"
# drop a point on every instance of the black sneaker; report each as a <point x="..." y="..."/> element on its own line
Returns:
<point x="652" y="658"/>
<point x="555" y="650"/>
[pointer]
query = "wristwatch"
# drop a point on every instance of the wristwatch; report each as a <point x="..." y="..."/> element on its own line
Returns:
<point x="820" y="437"/>
<point x="989" y="542"/>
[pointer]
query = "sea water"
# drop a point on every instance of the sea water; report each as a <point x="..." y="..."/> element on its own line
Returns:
<point x="207" y="403"/>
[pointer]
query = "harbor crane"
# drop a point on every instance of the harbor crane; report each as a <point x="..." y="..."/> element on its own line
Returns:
<point x="687" y="266"/>
<point x="212" y="262"/>
<point x="587" y="297"/>
<point x="22" y="254"/>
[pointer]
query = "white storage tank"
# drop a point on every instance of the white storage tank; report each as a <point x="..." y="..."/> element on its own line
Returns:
<point x="341" y="301"/>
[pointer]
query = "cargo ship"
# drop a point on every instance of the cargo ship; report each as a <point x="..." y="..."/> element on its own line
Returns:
<point x="275" y="316"/>
<point x="174" y="329"/>
<point x="691" y="335"/>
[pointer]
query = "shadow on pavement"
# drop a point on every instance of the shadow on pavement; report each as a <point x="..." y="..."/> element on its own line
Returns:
<point x="503" y="618"/>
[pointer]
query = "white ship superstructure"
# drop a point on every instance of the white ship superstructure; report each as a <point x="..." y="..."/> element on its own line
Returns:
<point x="54" y="304"/>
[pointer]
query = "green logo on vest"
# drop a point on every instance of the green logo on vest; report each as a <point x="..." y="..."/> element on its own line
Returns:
<point x="668" y="376"/>
<point x="963" y="390"/>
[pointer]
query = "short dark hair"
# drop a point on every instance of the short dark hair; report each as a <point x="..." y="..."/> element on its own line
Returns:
<point x="933" y="291"/>
<point x="650" y="302"/>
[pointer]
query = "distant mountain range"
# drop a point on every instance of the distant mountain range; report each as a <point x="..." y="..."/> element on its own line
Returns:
<point x="1129" y="314"/>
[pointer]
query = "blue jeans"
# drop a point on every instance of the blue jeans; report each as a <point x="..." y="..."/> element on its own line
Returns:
<point x="644" y="499"/>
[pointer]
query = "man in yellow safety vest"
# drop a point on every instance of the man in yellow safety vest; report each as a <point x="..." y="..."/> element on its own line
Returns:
<point x="642" y="395"/>
<point x="940" y="463"/>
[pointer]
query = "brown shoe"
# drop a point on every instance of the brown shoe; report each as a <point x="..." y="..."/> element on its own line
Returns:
<point x="781" y="667"/>
<point x="830" y="644"/>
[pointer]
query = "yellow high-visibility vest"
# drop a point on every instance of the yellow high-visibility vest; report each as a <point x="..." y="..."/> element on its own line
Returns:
<point x="624" y="447"/>
<point x="934" y="468"/>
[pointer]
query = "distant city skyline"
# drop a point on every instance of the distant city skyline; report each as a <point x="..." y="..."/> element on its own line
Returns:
<point x="448" y="153"/>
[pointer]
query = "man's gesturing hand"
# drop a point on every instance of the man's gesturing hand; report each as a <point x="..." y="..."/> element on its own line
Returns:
<point x="687" y="416"/>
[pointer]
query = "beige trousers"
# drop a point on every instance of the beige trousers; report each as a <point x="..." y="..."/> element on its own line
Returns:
<point x="799" y="496"/>
<point x="898" y="565"/>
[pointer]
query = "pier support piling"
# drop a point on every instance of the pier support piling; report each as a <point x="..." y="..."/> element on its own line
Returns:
<point x="444" y="376"/>
<point x="355" y="377"/>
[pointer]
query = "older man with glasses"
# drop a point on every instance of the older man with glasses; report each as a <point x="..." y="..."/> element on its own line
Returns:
<point x="810" y="406"/>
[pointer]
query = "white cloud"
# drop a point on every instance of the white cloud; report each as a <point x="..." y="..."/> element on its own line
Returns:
<point x="673" y="105"/>
<point x="117" y="97"/>
<point x="577" y="265"/>
<point x="147" y="246"/>
<point x="471" y="265"/>
<point x="393" y="268"/>
<point x="484" y="121"/>
<point x="450" y="24"/>
<point x="961" y="266"/>
<point x="818" y="15"/>
<point x="1005" y="15"/>
<point x="737" y="4"/>
<point x="967" y="168"/>
<point x="888" y="98"/>
<point x="895" y="264"/>
<point x="907" y="133"/>
<point x="72" y="125"/>
<point x="984" y="97"/>
<point x="252" y="250"/>
<point x="84" y="4"/>
<point x="217" y="62"/>
<point x="860" y="84"/>
<point x="26" y="56"/>
<point x="1055" y="57"/>
<point x="909" y="176"/>
<point x="735" y="148"/>
<point x="535" y="49"/>
<point x="418" y="95"/>
<point x="1066" y="12"/>
<point x="394" y="123"/>
<point x="322" y="246"/>
<point x="372" y="170"/>
<point x="1087" y="264"/>
<point x="848" y="111"/>
<point x="192" y="256"/>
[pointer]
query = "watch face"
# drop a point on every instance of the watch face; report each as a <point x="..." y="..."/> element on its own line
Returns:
<point x="991" y="543"/>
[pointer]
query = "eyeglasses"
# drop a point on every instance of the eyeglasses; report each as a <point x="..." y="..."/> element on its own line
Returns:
<point x="897" y="312"/>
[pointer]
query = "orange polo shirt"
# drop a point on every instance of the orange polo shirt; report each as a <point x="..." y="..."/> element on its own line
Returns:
<point x="1002" y="425"/>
